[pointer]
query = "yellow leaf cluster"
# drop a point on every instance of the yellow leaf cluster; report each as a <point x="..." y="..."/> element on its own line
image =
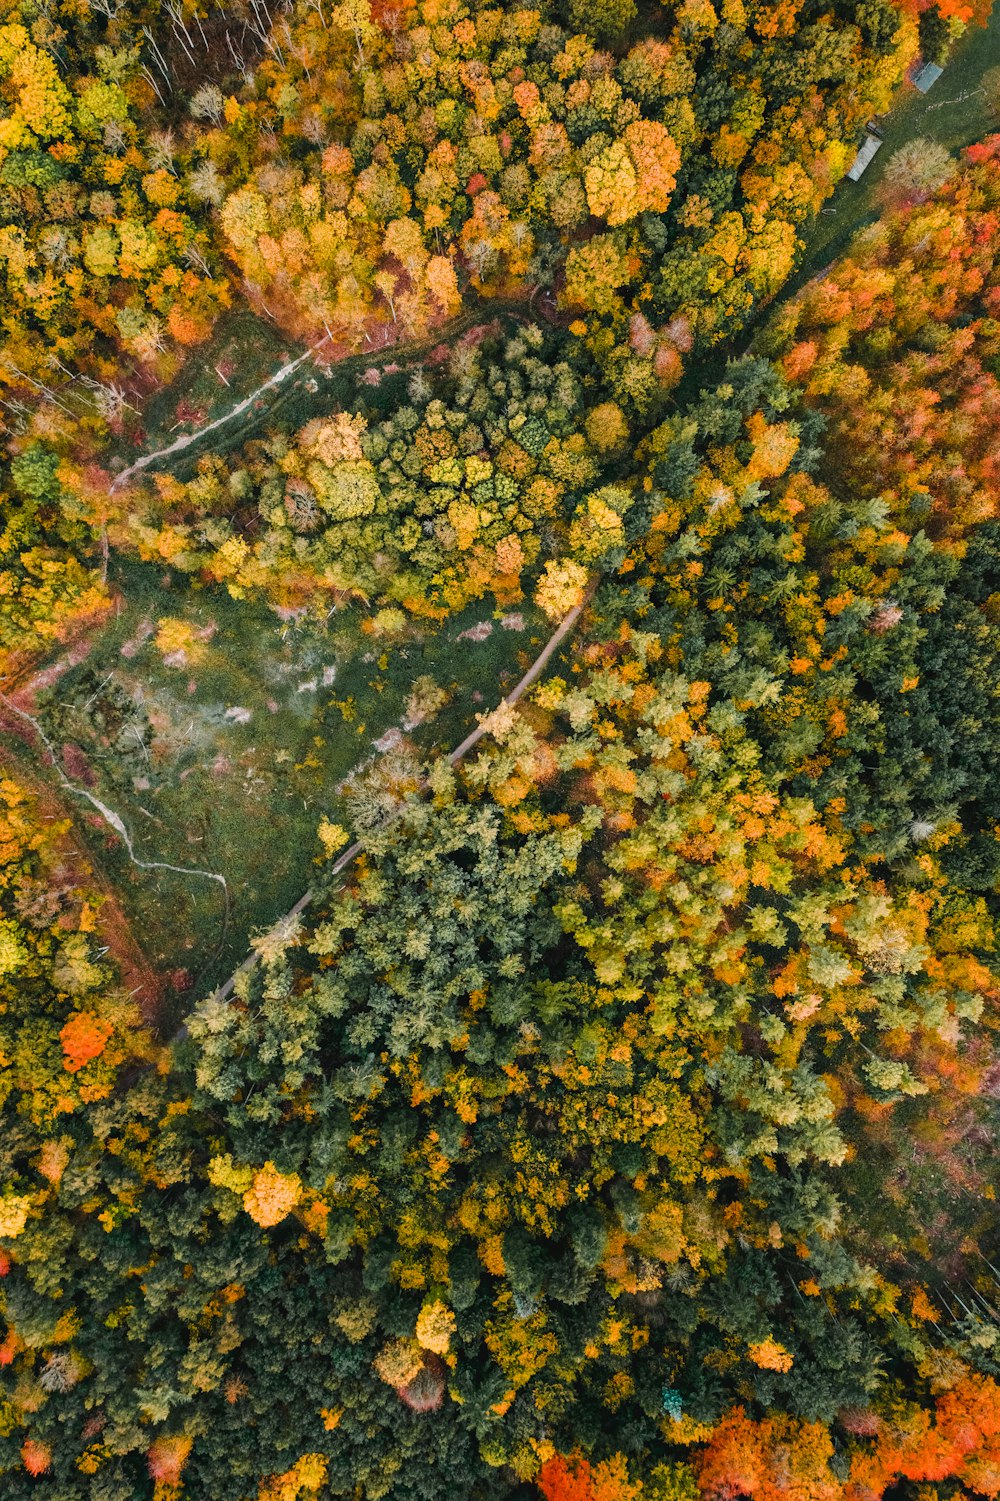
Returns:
<point x="272" y="1196"/>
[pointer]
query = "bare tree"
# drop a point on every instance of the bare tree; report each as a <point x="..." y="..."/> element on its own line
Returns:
<point x="162" y="150"/>
<point x="916" y="171"/>
<point x="206" y="103"/>
<point x="205" y="183"/>
<point x="115" y="140"/>
<point x="110" y="9"/>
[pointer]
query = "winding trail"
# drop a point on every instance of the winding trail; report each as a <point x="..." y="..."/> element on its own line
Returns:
<point x="287" y="922"/>
<point x="108" y="814"/>
<point x="138" y="976"/>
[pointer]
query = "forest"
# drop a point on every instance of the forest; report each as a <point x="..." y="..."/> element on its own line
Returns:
<point x="499" y="750"/>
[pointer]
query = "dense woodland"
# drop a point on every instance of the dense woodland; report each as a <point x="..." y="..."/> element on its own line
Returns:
<point x="620" y="1124"/>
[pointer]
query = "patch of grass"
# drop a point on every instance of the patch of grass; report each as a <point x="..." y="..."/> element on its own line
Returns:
<point x="244" y="727"/>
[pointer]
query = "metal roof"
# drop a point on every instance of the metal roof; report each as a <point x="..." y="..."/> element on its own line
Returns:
<point x="863" y="159"/>
<point x="928" y="75"/>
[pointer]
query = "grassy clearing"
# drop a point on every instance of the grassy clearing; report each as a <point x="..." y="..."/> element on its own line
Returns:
<point x="953" y="113"/>
<point x="240" y="725"/>
<point x="244" y="348"/>
<point x="242" y="728"/>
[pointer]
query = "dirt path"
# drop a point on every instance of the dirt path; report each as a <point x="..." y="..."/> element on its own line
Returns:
<point x="138" y="977"/>
<point x="186" y="439"/>
<point x="110" y="817"/>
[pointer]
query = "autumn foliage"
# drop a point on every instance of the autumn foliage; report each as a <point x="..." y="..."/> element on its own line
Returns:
<point x="576" y="1479"/>
<point x="83" y="1039"/>
<point x="897" y="346"/>
<point x="615" y="1120"/>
